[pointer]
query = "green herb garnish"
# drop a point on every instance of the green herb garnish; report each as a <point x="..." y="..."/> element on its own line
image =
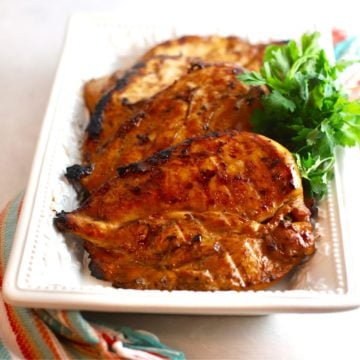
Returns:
<point x="306" y="110"/>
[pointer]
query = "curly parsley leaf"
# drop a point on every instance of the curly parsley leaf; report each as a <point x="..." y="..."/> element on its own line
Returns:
<point x="305" y="108"/>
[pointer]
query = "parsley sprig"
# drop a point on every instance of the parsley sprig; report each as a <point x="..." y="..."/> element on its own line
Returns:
<point x="305" y="109"/>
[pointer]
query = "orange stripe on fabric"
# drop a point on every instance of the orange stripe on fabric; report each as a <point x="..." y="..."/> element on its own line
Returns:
<point x="99" y="351"/>
<point x="72" y="327"/>
<point x="22" y="338"/>
<point x="48" y="337"/>
<point x="65" y="320"/>
<point x="94" y="350"/>
<point x="85" y="350"/>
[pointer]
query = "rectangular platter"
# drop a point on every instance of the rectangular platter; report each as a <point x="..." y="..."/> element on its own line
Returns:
<point x="47" y="270"/>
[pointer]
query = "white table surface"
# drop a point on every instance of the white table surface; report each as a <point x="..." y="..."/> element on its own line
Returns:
<point x="31" y="35"/>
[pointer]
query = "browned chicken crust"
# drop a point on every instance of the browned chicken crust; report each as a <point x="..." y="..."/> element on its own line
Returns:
<point x="187" y="49"/>
<point x="209" y="98"/>
<point x="179" y="198"/>
<point x="230" y="49"/>
<point x="220" y="212"/>
<point x="138" y="84"/>
<point x="111" y="99"/>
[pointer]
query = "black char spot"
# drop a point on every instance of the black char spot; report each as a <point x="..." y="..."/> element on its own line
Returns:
<point x="76" y="172"/>
<point x="95" y="125"/>
<point x="206" y="175"/>
<point x="60" y="220"/>
<point x="96" y="271"/>
<point x="250" y="100"/>
<point x="125" y="101"/>
<point x="197" y="238"/>
<point x="136" y="190"/>
<point x="160" y="157"/>
<point x="231" y="85"/>
<point x="196" y="66"/>
<point x="130" y="124"/>
<point x="133" y="168"/>
<point x="139" y="65"/>
<point x="143" y="139"/>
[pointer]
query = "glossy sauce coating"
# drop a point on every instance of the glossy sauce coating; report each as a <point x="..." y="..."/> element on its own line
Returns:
<point x="224" y="211"/>
<point x="209" y="98"/>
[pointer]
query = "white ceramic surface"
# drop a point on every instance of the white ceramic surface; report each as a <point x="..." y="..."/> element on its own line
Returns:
<point x="45" y="269"/>
<point x="275" y="337"/>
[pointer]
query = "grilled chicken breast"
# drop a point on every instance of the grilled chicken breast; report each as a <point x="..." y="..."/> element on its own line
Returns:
<point x="208" y="98"/>
<point x="138" y="84"/>
<point x="180" y="196"/>
<point x="186" y="49"/>
<point x="213" y="49"/>
<point x="111" y="99"/>
<point x="218" y="212"/>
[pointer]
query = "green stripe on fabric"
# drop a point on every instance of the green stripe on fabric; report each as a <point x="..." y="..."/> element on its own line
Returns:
<point x="4" y="354"/>
<point x="145" y="341"/>
<point x="54" y="323"/>
<point x="21" y="316"/>
<point x="82" y="327"/>
<point x="76" y="352"/>
<point x="25" y="317"/>
<point x="10" y="225"/>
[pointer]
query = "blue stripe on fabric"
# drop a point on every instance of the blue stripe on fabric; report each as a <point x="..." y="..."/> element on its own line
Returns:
<point x="54" y="323"/>
<point x="342" y="47"/>
<point x="141" y="338"/>
<point x="147" y="342"/>
<point x="26" y="317"/>
<point x="84" y="330"/>
<point x="167" y="353"/>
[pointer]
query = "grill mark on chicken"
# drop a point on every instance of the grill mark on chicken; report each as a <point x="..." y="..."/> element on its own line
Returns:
<point x="168" y="235"/>
<point x="166" y="62"/>
<point x="205" y="88"/>
<point x="126" y="96"/>
<point x="95" y="124"/>
<point x="197" y="215"/>
<point x="127" y="126"/>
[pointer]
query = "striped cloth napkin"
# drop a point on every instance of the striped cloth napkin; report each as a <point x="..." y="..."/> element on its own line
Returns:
<point x="347" y="47"/>
<point x="57" y="334"/>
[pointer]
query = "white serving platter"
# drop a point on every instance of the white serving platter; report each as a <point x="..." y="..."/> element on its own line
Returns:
<point x="47" y="270"/>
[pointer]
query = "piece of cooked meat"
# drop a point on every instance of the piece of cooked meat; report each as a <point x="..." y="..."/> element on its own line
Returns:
<point x="111" y="99"/>
<point x="230" y="49"/>
<point x="209" y="98"/>
<point x="95" y="89"/>
<point x="219" y="212"/>
<point x="125" y="98"/>
<point x="214" y="49"/>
